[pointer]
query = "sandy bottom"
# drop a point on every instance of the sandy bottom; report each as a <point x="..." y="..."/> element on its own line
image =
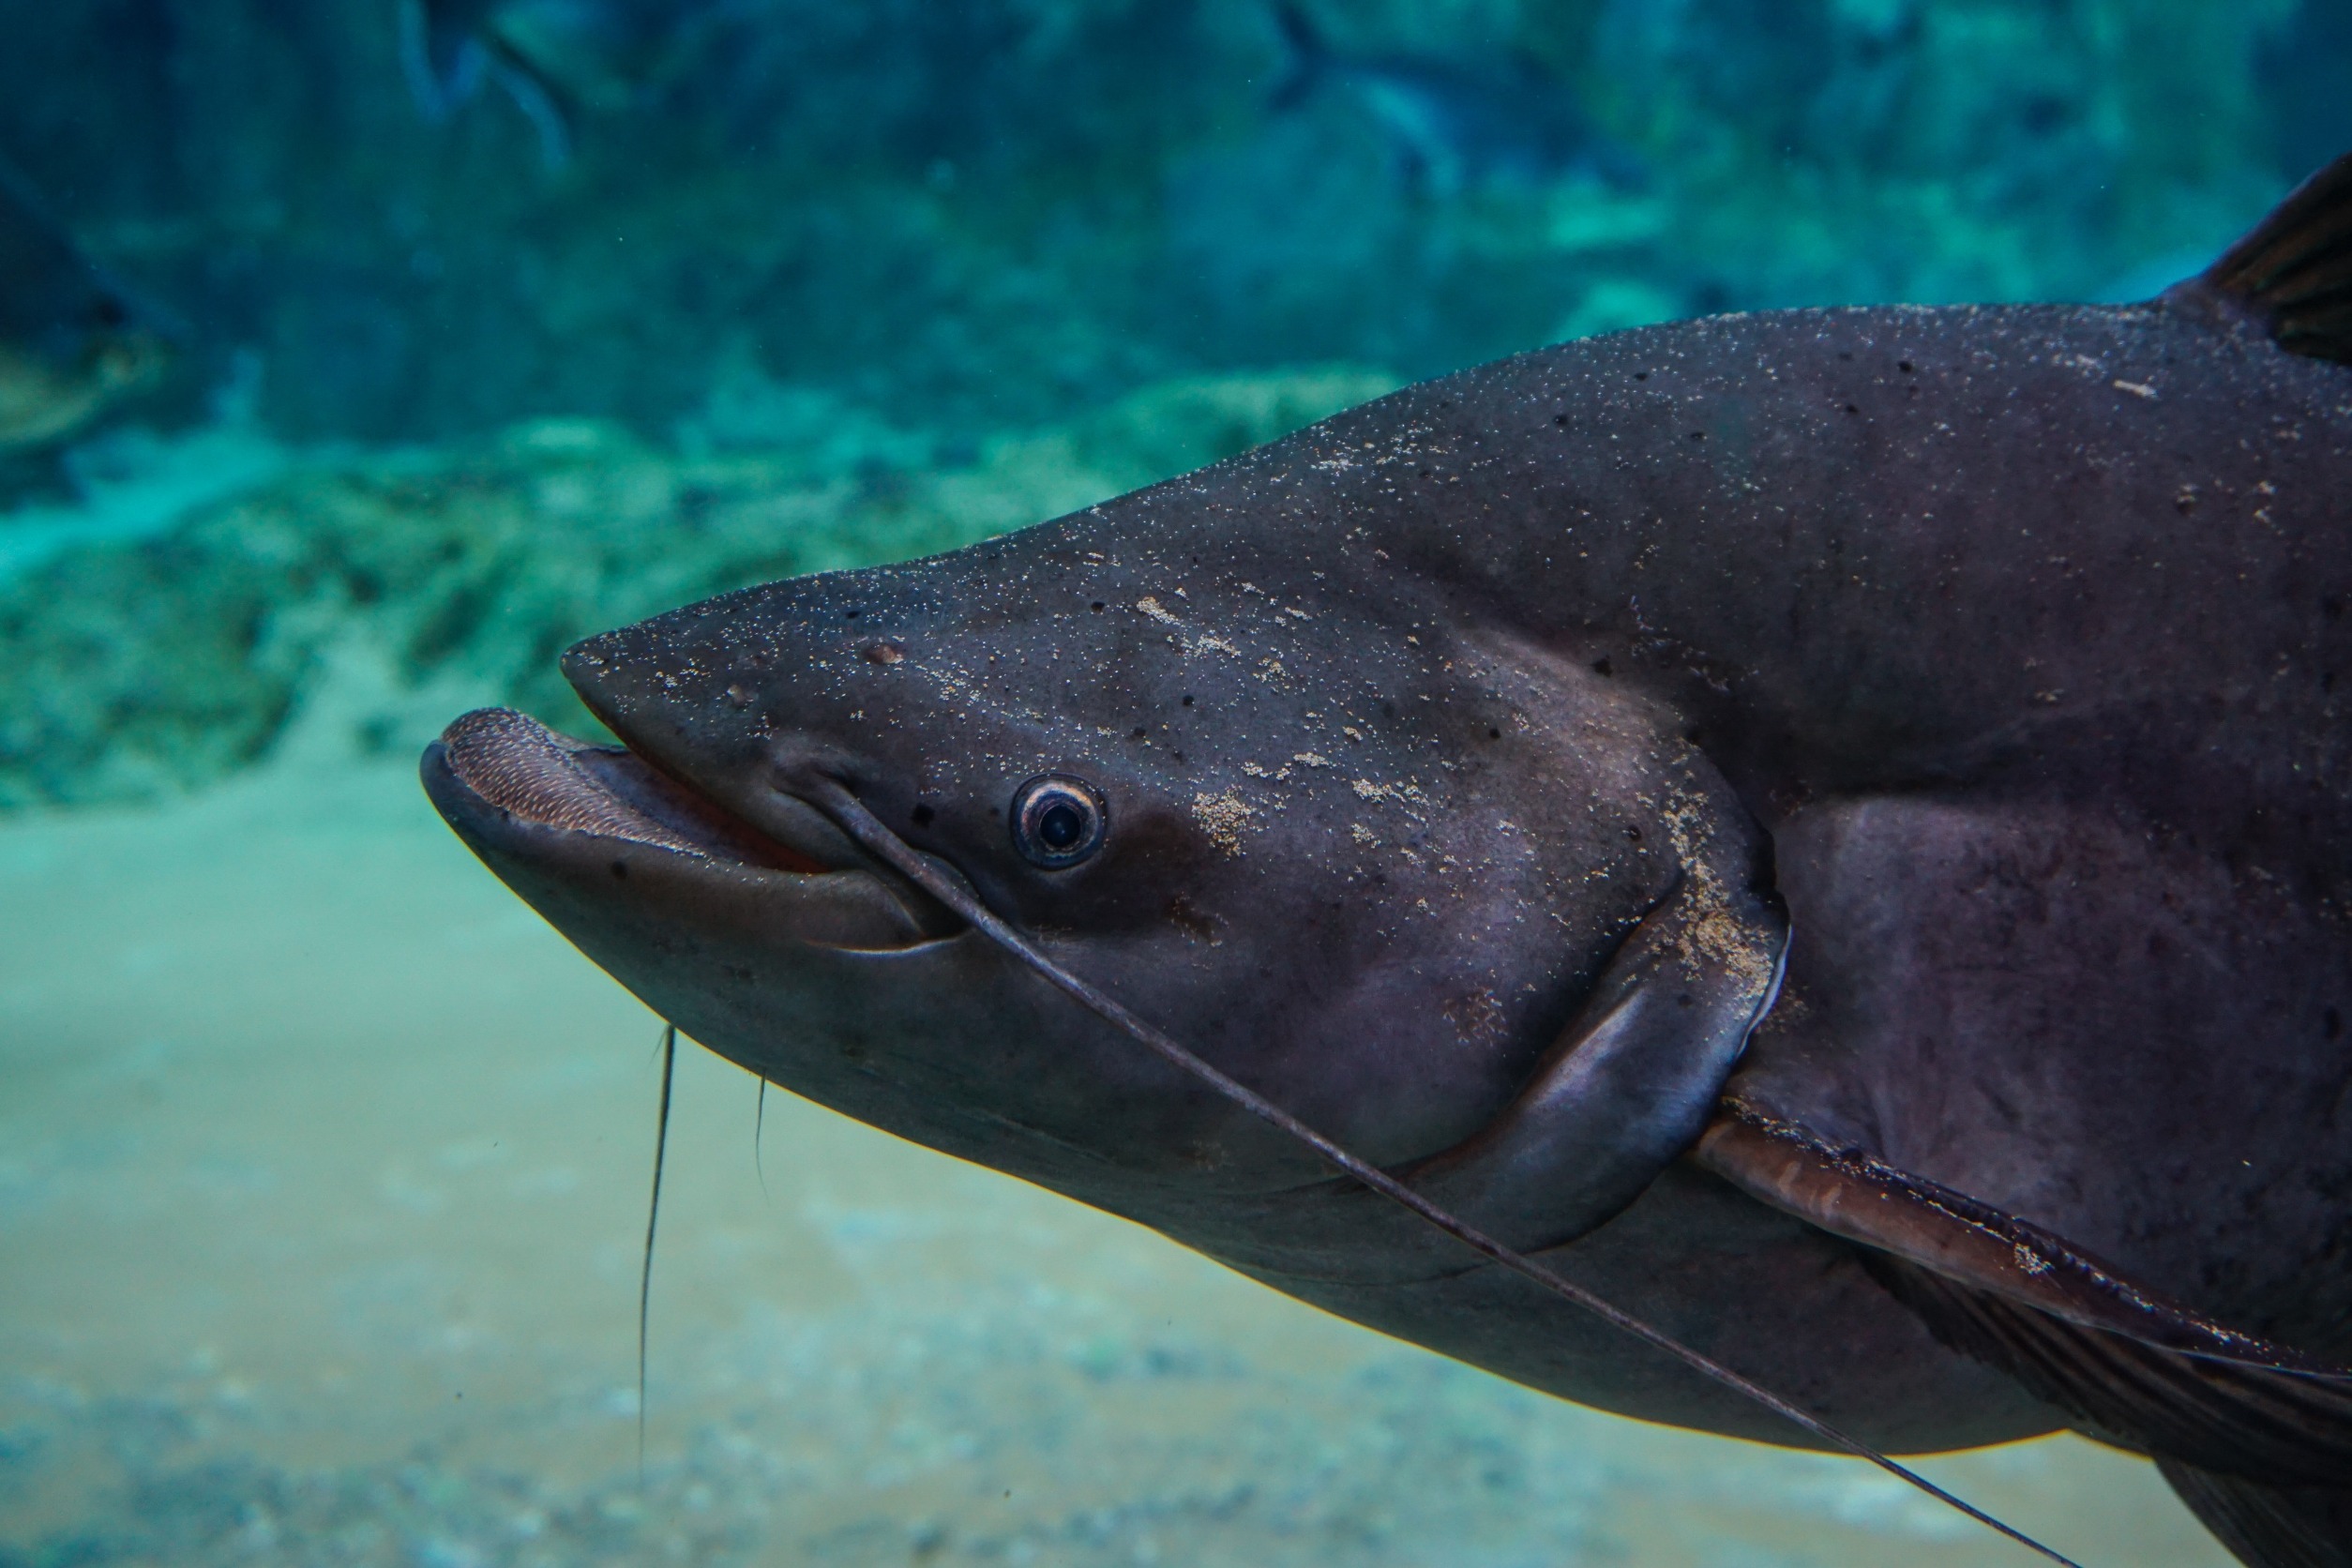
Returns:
<point x="322" y="1169"/>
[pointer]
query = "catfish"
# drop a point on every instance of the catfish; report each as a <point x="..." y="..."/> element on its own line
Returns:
<point x="1821" y="837"/>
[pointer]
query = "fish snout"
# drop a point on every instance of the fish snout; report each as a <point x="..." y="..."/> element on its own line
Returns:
<point x="550" y="812"/>
<point x="695" y="722"/>
<point x="619" y="678"/>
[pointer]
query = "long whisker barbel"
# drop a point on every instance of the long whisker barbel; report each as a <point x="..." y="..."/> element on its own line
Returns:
<point x="758" y="1125"/>
<point x="867" y="829"/>
<point x="653" y="1218"/>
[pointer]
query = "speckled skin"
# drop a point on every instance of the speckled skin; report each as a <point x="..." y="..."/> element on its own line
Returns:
<point x="2006" y="640"/>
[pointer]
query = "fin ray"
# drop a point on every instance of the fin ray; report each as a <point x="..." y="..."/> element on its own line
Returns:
<point x="2257" y="1423"/>
<point x="2267" y="1526"/>
<point x="1853" y="1193"/>
<point x="2127" y="1364"/>
<point x="2292" y="273"/>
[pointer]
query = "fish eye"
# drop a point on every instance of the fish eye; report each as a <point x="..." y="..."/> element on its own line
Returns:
<point x="1058" y="821"/>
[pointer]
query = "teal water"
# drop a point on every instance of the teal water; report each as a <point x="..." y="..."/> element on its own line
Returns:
<point x="322" y="1161"/>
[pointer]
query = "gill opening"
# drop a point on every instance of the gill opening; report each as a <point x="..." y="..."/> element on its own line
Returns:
<point x="879" y="840"/>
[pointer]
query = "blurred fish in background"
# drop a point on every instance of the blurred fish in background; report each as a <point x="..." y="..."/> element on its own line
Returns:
<point x="1455" y="121"/>
<point x="999" y="213"/>
<point x="554" y="59"/>
<point x="73" y="342"/>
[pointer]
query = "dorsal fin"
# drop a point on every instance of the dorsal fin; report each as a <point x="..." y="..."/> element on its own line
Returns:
<point x="2292" y="274"/>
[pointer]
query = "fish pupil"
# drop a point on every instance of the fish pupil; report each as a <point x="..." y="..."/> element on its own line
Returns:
<point x="1060" y="825"/>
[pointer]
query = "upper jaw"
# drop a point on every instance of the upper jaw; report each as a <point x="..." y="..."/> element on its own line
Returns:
<point x="520" y="794"/>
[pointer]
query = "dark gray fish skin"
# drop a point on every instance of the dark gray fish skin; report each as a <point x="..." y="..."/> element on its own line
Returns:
<point x="2004" y="641"/>
<point x="1457" y="123"/>
<point x="73" y="342"/>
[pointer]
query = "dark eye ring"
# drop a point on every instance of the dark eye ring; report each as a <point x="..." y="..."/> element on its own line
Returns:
<point x="1059" y="820"/>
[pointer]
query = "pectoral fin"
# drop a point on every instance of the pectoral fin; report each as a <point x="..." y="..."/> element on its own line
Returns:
<point x="1635" y="1076"/>
<point x="2257" y="1437"/>
<point x="2270" y="1526"/>
<point x="2261" y="1454"/>
<point x="1853" y="1193"/>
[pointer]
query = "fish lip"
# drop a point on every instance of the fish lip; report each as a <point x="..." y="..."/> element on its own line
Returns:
<point x="498" y="773"/>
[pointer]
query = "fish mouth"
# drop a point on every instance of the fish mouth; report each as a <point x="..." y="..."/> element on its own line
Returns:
<point x="538" y="804"/>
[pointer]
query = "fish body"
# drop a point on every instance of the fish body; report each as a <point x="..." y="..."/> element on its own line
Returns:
<point x="1455" y="122"/>
<point x="73" y="342"/>
<point x="1828" y="828"/>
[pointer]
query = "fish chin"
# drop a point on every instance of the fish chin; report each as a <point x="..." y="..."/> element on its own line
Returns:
<point x="568" y="823"/>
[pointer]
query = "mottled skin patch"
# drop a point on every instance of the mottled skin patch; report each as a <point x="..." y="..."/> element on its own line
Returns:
<point x="1224" y="818"/>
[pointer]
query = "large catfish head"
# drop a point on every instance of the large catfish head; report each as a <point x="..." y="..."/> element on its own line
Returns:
<point x="1458" y="901"/>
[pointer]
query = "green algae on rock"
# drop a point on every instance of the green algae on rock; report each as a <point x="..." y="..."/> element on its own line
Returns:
<point x="338" y="593"/>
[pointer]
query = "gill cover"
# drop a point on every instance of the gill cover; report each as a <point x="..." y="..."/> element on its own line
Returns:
<point x="1634" y="1077"/>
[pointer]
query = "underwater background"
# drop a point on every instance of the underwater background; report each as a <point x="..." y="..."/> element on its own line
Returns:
<point x="356" y="355"/>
